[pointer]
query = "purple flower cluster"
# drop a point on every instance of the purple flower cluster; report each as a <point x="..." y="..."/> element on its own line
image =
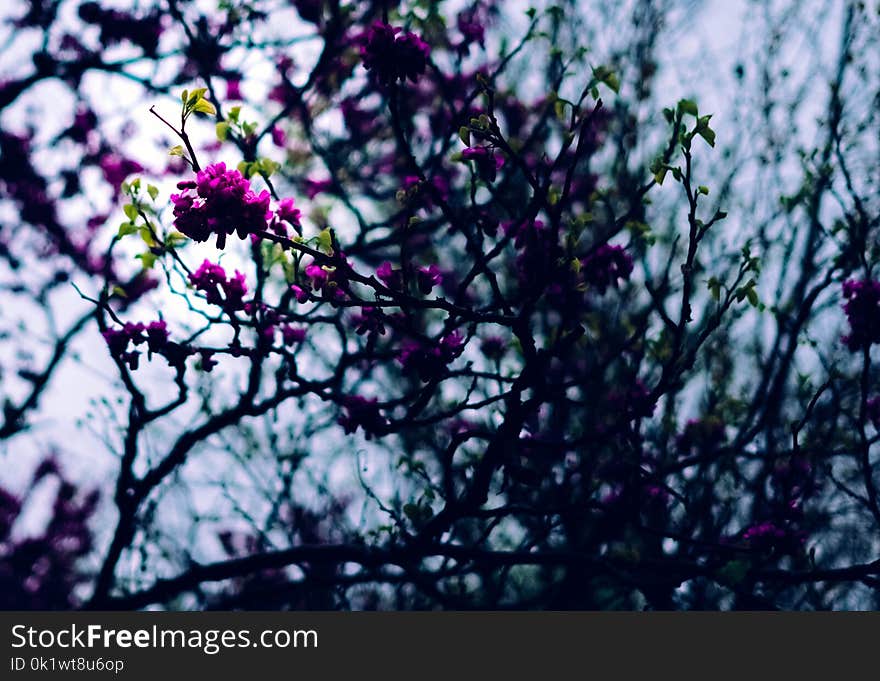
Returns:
<point x="154" y="334"/>
<point x="769" y="536"/>
<point x="370" y="320"/>
<point x="228" y="293"/>
<point x="493" y="347"/>
<point x="605" y="266"/>
<point x="223" y="203"/>
<point x="429" y="360"/>
<point x="414" y="188"/>
<point x="863" y="312"/>
<point x="40" y="571"/>
<point x="292" y="335"/>
<point x="361" y="412"/>
<point x="390" y="55"/>
<point x="488" y="163"/>
<point x="116" y="168"/>
<point x="426" y="277"/>
<point x="471" y="26"/>
<point x="117" y="26"/>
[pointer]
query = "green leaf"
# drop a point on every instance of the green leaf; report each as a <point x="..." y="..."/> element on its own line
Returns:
<point x="131" y="211"/>
<point x="148" y="259"/>
<point x="687" y="106"/>
<point x="174" y="239"/>
<point x="183" y="96"/>
<point x="234" y="113"/>
<point x="464" y="134"/>
<point x="176" y="150"/>
<point x="707" y="134"/>
<point x="147" y="237"/>
<point x="606" y="75"/>
<point x="559" y="108"/>
<point x="752" y="296"/>
<point x="325" y="240"/>
<point x="703" y="189"/>
<point x="126" y="228"/>
<point x="204" y="106"/>
<point x="268" y="166"/>
<point x="660" y="175"/>
<point x="153" y="191"/>
<point x="195" y="96"/>
<point x="714" y="288"/>
<point x="222" y="129"/>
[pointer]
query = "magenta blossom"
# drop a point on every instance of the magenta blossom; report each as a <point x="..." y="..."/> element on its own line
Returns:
<point x="223" y="203"/>
<point x="315" y="187"/>
<point x="862" y="310"/>
<point x="228" y="293"/>
<point x="288" y="212"/>
<point x="116" y="168"/>
<point x="292" y="335"/>
<point x="428" y="278"/>
<point x="606" y="266"/>
<point x="392" y="56"/>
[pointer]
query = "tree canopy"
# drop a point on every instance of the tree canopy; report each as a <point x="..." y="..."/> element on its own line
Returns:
<point x="439" y="305"/>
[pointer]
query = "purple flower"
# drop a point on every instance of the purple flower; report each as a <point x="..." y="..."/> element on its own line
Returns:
<point x="292" y="335"/>
<point x="390" y="277"/>
<point x="487" y="161"/>
<point x="392" y="56"/>
<point x="233" y="89"/>
<point x="117" y="341"/>
<point x="116" y="168"/>
<point x="157" y="335"/>
<point x="228" y="293"/>
<point x="768" y="535"/>
<point x="315" y="187"/>
<point x="301" y="294"/>
<point x="224" y="203"/>
<point x="470" y="27"/>
<point x="279" y="139"/>
<point x="288" y="212"/>
<point x="606" y="266"/>
<point x="370" y="320"/>
<point x="361" y="412"/>
<point x="318" y="276"/>
<point x="118" y="25"/>
<point x="360" y="124"/>
<point x="429" y="360"/>
<point x="863" y="312"/>
<point x="493" y="347"/>
<point x="428" y="278"/>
